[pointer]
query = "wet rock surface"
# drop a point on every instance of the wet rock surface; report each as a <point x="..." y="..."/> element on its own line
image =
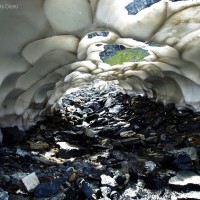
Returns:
<point x="104" y="144"/>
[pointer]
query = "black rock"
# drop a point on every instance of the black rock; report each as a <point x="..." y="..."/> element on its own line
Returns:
<point x="120" y="179"/>
<point x="189" y="126"/>
<point x="106" y="132"/>
<point x="99" y="122"/>
<point x="86" y="189"/>
<point x="158" y="122"/>
<point x="152" y="140"/>
<point x="47" y="189"/>
<point x="91" y="117"/>
<point x="105" y="161"/>
<point x="66" y="101"/>
<point x="95" y="106"/>
<point x="68" y="136"/>
<point x="182" y="161"/>
<point x="186" y="112"/>
<point x="114" y="195"/>
<point x="87" y="110"/>
<point x="12" y="135"/>
<point x="155" y="181"/>
<point x="66" y="154"/>
<point x="73" y="194"/>
<point x="167" y="160"/>
<point x="133" y="175"/>
<point x="119" y="156"/>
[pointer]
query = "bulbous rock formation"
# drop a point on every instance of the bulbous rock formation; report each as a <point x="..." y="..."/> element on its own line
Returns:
<point x="48" y="46"/>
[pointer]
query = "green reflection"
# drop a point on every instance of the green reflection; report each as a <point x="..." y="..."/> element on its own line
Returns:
<point x="127" y="55"/>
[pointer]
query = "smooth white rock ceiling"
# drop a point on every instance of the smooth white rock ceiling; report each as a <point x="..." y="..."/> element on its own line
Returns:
<point x="48" y="46"/>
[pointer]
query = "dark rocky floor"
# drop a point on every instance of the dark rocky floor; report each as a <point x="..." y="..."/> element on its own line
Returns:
<point x="104" y="144"/>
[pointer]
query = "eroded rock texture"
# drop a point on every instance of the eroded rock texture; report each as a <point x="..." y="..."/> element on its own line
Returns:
<point x="48" y="46"/>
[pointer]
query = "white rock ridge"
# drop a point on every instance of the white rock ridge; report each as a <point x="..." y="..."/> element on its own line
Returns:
<point x="48" y="46"/>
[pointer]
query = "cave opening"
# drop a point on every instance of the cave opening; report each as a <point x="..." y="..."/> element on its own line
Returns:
<point x="101" y="142"/>
<point x="99" y="99"/>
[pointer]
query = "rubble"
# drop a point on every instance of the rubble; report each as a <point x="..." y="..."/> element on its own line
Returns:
<point x="84" y="151"/>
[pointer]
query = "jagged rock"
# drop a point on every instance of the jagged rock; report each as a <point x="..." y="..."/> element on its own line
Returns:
<point x="5" y="178"/>
<point x="38" y="145"/>
<point x="191" y="151"/>
<point x="120" y="178"/>
<point x="114" y="195"/>
<point x="108" y="102"/>
<point x="163" y="137"/>
<point x="91" y="117"/>
<point x="144" y="167"/>
<point x="18" y="197"/>
<point x="185" y="178"/>
<point x="188" y="127"/>
<point x="133" y="175"/>
<point x="156" y="181"/>
<point x="19" y="175"/>
<point x="129" y="193"/>
<point x="88" y="132"/>
<point x="119" y="156"/>
<point x="153" y="139"/>
<point x="107" y="132"/>
<point x="105" y="191"/>
<point x="72" y="194"/>
<point x="149" y="166"/>
<point x="66" y="154"/>
<point x="43" y="160"/>
<point x="127" y="134"/>
<point x="193" y="195"/>
<point x="95" y="106"/>
<point x="182" y="161"/>
<point x="47" y="189"/>
<point x="158" y="122"/>
<point x="12" y="135"/>
<point x="107" y="180"/>
<point x="105" y="142"/>
<point x="116" y="109"/>
<point x="31" y="181"/>
<point x="3" y="195"/>
<point x="130" y="141"/>
<point x="140" y="136"/>
<point x="86" y="189"/>
<point x="23" y="153"/>
<point x="72" y="177"/>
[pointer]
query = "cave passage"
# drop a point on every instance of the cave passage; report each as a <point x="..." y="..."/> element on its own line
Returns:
<point x="129" y="128"/>
<point x="103" y="143"/>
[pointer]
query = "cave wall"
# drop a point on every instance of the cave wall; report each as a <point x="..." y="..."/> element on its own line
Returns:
<point x="48" y="46"/>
